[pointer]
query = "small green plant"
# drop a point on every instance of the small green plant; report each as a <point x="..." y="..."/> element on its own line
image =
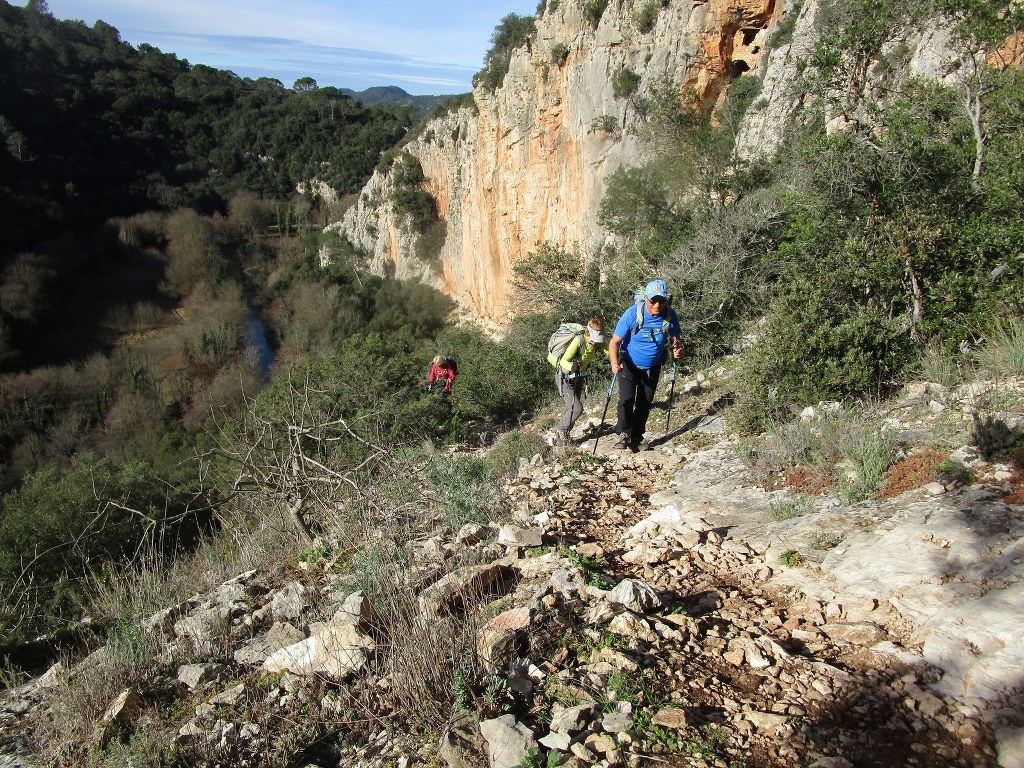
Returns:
<point x="592" y="567"/>
<point x="872" y="451"/>
<point x="786" y="509"/>
<point x="1003" y="354"/>
<point x="709" y="741"/>
<point x="621" y="684"/>
<point x="563" y="695"/>
<point x="593" y="10"/>
<point x="582" y="462"/>
<point x="495" y="693"/>
<point x="503" y="459"/>
<point x="826" y="540"/>
<point x="592" y="638"/>
<point x="625" y="83"/>
<point x="656" y="734"/>
<point x="938" y="365"/>
<point x="791" y="558"/>
<point x="559" y="54"/>
<point x="953" y="472"/>
<point x="745" y="450"/>
<point x="647" y="17"/>
<point x="460" y="691"/>
<point x="605" y="124"/>
<point x="313" y="555"/>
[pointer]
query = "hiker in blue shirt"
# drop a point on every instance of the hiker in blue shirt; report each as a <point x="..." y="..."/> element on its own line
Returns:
<point x="637" y="350"/>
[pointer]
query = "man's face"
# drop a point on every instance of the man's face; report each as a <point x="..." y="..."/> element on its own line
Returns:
<point x="655" y="305"/>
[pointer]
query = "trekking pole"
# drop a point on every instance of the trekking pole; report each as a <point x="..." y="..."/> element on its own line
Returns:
<point x="607" y="400"/>
<point x="671" y="391"/>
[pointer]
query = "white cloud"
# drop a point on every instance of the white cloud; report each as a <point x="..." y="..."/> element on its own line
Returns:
<point x="422" y="42"/>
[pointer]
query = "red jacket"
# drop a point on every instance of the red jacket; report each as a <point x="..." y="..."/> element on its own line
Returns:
<point x="442" y="373"/>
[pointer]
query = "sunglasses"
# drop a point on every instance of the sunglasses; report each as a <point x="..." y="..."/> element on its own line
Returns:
<point x="658" y="300"/>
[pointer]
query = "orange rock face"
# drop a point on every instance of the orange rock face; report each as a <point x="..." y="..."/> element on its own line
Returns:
<point x="532" y="165"/>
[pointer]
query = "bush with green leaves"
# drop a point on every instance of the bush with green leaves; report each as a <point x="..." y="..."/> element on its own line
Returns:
<point x="504" y="457"/>
<point x="647" y="16"/>
<point x="871" y="450"/>
<point x="512" y="32"/>
<point x="466" y="486"/>
<point x="410" y="200"/>
<point x="625" y="83"/>
<point x="559" y="54"/>
<point x="593" y="10"/>
<point x="498" y="383"/>
<point x="815" y="346"/>
<point x="60" y="524"/>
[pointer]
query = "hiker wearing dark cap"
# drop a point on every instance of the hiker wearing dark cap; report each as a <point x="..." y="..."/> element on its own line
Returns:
<point x="571" y="372"/>
<point x="637" y="350"/>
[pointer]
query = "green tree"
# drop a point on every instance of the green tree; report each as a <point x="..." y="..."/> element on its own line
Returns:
<point x="512" y="32"/>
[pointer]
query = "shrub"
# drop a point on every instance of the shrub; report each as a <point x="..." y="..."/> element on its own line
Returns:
<point x="625" y="83"/>
<point x="647" y="16"/>
<point x="409" y="198"/>
<point x="783" y="34"/>
<point x="1003" y="352"/>
<point x="466" y="487"/>
<point x="593" y="10"/>
<point x="815" y="347"/>
<point x="429" y="243"/>
<point x="512" y="32"/>
<point x="996" y="440"/>
<point x="559" y="54"/>
<point x="789" y="508"/>
<point x="872" y="452"/>
<point x="503" y="459"/>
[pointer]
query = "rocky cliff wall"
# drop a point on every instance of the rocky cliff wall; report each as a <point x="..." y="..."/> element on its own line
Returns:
<point x="531" y="163"/>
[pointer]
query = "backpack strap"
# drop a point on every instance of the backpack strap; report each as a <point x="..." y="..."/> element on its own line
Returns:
<point x="640" y="319"/>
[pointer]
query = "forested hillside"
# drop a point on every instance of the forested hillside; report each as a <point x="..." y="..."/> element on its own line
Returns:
<point x="156" y="252"/>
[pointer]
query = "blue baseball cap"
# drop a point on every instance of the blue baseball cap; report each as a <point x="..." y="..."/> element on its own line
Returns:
<point x="656" y="288"/>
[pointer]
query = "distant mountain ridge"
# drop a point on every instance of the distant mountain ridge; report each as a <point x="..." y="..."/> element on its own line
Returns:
<point x="392" y="94"/>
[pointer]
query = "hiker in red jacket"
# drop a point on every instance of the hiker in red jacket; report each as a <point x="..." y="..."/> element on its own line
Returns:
<point x="442" y="376"/>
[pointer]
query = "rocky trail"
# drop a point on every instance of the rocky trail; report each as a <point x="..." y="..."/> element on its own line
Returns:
<point x="634" y="609"/>
<point x="754" y="677"/>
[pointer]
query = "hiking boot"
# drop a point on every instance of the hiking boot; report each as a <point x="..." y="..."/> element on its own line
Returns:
<point x="623" y="442"/>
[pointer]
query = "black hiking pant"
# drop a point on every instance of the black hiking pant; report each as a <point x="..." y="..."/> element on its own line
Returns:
<point x="636" y="395"/>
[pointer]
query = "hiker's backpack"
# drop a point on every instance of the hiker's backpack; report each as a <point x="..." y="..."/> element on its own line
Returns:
<point x="559" y="341"/>
<point x="452" y="365"/>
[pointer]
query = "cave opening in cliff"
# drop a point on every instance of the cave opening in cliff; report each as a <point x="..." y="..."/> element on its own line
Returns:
<point x="737" y="68"/>
<point x="749" y="35"/>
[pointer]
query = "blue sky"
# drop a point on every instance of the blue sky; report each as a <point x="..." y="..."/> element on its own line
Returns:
<point x="425" y="47"/>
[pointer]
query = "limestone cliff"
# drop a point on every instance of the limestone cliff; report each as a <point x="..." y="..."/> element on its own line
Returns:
<point x="530" y="163"/>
